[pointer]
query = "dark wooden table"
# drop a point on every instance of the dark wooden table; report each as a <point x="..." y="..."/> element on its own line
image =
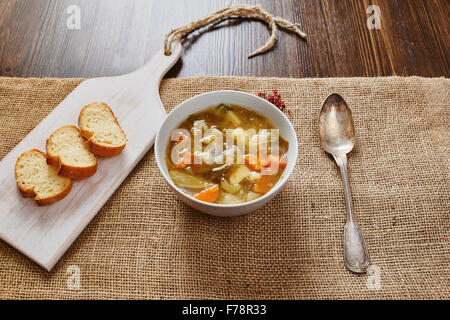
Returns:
<point x="118" y="36"/>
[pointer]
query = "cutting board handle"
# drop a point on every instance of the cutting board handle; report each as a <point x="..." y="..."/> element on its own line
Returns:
<point x="158" y="66"/>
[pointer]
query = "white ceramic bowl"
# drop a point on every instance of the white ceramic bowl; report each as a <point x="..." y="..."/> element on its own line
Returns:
<point x="209" y="99"/>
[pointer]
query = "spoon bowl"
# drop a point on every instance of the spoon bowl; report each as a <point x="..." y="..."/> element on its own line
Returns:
<point x="336" y="128"/>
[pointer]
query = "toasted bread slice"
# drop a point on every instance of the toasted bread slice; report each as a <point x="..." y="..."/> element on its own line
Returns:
<point x="68" y="151"/>
<point x="100" y="127"/>
<point x="36" y="178"/>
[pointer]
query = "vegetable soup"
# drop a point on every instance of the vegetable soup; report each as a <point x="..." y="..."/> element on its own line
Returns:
<point x="226" y="154"/>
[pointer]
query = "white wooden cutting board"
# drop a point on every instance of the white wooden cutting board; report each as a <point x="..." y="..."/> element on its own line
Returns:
<point x="44" y="233"/>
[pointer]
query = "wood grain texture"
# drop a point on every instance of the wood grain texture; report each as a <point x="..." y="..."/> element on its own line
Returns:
<point x="118" y="36"/>
<point x="44" y="233"/>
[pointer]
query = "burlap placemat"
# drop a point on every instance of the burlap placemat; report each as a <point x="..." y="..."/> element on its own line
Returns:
<point x="144" y="243"/>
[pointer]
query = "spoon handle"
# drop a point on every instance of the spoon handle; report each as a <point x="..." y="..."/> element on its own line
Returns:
<point x="356" y="257"/>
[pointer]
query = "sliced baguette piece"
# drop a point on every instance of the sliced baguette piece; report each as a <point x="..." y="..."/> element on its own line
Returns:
<point x="68" y="151"/>
<point x="100" y="127"/>
<point x="35" y="178"/>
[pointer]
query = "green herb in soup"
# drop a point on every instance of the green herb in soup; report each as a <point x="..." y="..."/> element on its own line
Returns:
<point x="226" y="154"/>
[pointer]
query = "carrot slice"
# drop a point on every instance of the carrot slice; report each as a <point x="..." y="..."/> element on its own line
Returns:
<point x="256" y="161"/>
<point x="264" y="184"/>
<point x="209" y="194"/>
<point x="185" y="161"/>
<point x="282" y="161"/>
<point x="182" y="137"/>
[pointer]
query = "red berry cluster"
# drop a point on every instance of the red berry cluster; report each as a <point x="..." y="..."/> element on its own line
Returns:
<point x="275" y="99"/>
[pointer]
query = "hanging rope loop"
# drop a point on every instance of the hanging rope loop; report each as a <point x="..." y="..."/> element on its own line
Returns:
<point x="239" y="11"/>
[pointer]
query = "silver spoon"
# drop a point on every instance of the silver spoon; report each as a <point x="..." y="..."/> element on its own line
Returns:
<point x="337" y="137"/>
